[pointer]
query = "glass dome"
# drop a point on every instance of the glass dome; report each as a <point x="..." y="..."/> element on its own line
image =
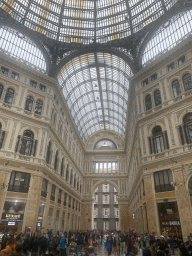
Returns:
<point x="86" y="21"/>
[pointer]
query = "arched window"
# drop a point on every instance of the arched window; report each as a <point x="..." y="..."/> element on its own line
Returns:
<point x="27" y="143"/>
<point x="49" y="151"/>
<point x="1" y="90"/>
<point x="187" y="82"/>
<point x="67" y="173"/>
<point x="148" y="102"/>
<point x="9" y="96"/>
<point x="176" y="88"/>
<point x="159" y="140"/>
<point x="157" y="98"/>
<point x="56" y="160"/>
<point x="105" y="144"/>
<point x="38" y="107"/>
<point x="187" y="120"/>
<point x="62" y="167"/>
<point x="29" y="103"/>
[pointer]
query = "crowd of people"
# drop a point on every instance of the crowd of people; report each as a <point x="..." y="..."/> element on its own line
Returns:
<point x="88" y="243"/>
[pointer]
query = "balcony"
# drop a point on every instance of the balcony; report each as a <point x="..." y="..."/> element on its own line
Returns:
<point x="105" y="202"/>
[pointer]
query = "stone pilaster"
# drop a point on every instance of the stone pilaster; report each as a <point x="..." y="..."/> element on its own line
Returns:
<point x="32" y="206"/>
<point x="183" y="204"/>
<point x="86" y="214"/>
<point x="124" y="222"/>
<point x="150" y="205"/>
<point x="4" y="180"/>
<point x="46" y="211"/>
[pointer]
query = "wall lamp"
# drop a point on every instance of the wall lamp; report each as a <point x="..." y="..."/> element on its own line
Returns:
<point x="174" y="184"/>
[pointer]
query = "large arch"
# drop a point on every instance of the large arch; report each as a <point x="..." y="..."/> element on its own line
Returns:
<point x="104" y="97"/>
<point x="164" y="23"/>
<point x="19" y="31"/>
<point x="105" y="181"/>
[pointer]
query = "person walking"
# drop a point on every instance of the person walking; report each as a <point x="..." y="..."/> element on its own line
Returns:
<point x="63" y="246"/>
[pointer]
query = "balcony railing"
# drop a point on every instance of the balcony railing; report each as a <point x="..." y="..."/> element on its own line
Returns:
<point x="21" y="189"/>
<point x="105" y="202"/>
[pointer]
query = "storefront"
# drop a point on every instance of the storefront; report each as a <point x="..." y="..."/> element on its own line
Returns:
<point x="12" y="216"/>
<point x="169" y="219"/>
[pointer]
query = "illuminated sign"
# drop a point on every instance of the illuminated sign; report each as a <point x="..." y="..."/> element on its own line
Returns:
<point x="10" y="217"/>
<point x="171" y="223"/>
<point x="11" y="223"/>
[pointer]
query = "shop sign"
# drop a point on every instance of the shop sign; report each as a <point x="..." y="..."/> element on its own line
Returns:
<point x="11" y="223"/>
<point x="171" y="223"/>
<point x="40" y="219"/>
<point x="12" y="217"/>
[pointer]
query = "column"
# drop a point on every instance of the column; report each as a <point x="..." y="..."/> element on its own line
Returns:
<point x="183" y="203"/>
<point x="150" y="205"/>
<point x="33" y="201"/>
<point x="4" y="180"/>
<point x="124" y="222"/>
<point x="86" y="214"/>
<point x="46" y="211"/>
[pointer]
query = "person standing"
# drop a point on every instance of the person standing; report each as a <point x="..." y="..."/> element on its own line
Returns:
<point x="63" y="246"/>
<point x="109" y="245"/>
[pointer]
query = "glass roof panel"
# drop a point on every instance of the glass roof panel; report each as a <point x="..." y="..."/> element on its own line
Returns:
<point x="86" y="21"/>
<point x="96" y="97"/>
<point x="168" y="35"/>
<point x="22" y="48"/>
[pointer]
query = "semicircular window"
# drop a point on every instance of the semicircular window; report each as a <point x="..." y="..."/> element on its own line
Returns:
<point x="168" y="35"/>
<point x="95" y="86"/>
<point x="22" y="48"/>
<point x="105" y="144"/>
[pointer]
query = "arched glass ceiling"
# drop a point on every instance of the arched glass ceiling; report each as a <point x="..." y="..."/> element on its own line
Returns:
<point x="105" y="143"/>
<point x="86" y="21"/>
<point x="95" y="86"/>
<point x="168" y="35"/>
<point x="20" y="47"/>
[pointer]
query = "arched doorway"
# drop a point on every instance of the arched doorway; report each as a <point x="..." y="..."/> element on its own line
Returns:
<point x="105" y="207"/>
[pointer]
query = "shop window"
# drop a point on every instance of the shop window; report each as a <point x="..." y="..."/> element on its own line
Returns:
<point x="145" y="82"/>
<point x="49" y="153"/>
<point x="1" y="90"/>
<point x="26" y="145"/>
<point x="157" y="98"/>
<point x="15" y="75"/>
<point x="159" y="141"/>
<point x="56" y="160"/>
<point x="13" y="211"/>
<point x="153" y="77"/>
<point x="29" y="103"/>
<point x="38" y="107"/>
<point x="171" y="66"/>
<point x="42" y="87"/>
<point x="44" y="188"/>
<point x="187" y="82"/>
<point x="19" y="182"/>
<point x="176" y="88"/>
<point x="4" y="71"/>
<point x="53" y="189"/>
<point x="59" y="196"/>
<point x="9" y="96"/>
<point x="186" y="129"/>
<point x="181" y="60"/>
<point x="148" y="102"/>
<point x="163" y="181"/>
<point x="33" y="83"/>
